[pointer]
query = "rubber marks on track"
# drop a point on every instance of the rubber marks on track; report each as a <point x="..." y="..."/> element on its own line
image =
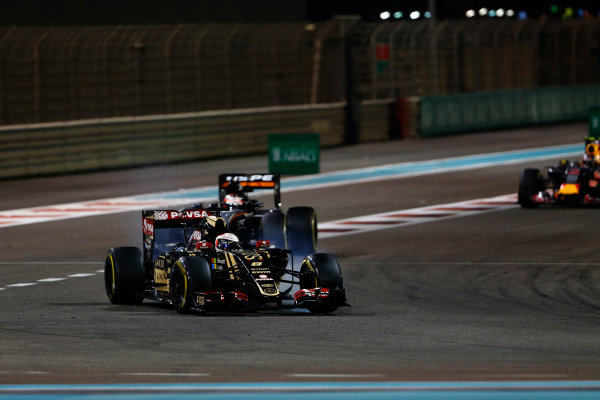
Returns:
<point x="414" y="216"/>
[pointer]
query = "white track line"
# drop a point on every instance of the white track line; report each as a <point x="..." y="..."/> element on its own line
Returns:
<point x="49" y="280"/>
<point x="177" y="374"/>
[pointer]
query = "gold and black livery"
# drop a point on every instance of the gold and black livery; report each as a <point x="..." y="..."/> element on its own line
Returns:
<point x="179" y="265"/>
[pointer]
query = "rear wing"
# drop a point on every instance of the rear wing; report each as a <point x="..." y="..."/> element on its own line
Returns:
<point x="162" y="229"/>
<point x="174" y="218"/>
<point x="250" y="182"/>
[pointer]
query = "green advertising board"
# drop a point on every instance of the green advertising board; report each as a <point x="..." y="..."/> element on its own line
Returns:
<point x="294" y="154"/>
<point x="594" y="130"/>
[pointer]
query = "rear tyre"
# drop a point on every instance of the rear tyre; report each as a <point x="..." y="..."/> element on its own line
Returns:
<point x="124" y="275"/>
<point x="530" y="183"/>
<point x="189" y="275"/>
<point x="272" y="229"/>
<point x="301" y="230"/>
<point x="322" y="270"/>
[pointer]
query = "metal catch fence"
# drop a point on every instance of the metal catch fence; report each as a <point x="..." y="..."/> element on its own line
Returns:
<point x="73" y="73"/>
<point x="444" y="57"/>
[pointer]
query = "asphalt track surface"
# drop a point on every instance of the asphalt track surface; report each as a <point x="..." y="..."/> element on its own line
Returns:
<point x="506" y="295"/>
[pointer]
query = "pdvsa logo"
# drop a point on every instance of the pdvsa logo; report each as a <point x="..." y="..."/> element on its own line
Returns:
<point x="191" y="214"/>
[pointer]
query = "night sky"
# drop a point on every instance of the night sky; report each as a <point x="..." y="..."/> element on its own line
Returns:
<point x="122" y="12"/>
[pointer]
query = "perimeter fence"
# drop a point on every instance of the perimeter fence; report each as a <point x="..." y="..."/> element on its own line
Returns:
<point x="74" y="73"/>
<point x="448" y="57"/>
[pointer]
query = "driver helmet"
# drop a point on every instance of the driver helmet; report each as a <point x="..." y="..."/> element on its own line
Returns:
<point x="592" y="149"/>
<point x="233" y="200"/>
<point x="227" y="241"/>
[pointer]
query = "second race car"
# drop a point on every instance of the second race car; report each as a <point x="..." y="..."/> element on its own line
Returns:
<point x="295" y="230"/>
<point x="568" y="183"/>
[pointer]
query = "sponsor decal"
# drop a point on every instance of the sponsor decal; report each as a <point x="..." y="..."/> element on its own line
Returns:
<point x="253" y="180"/>
<point x="148" y="227"/>
<point x="250" y="178"/>
<point x="295" y="155"/>
<point x="203" y="245"/>
<point x="194" y="214"/>
<point x="262" y="243"/>
<point x="260" y="270"/>
<point x="161" y="215"/>
<point x="197" y="235"/>
<point x="263" y="276"/>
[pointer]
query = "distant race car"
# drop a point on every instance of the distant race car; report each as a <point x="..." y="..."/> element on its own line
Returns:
<point x="295" y="230"/>
<point x="192" y="262"/>
<point x="568" y="183"/>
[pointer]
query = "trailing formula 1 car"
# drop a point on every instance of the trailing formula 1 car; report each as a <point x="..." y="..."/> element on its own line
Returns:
<point x="295" y="230"/>
<point x="568" y="183"/>
<point x="191" y="261"/>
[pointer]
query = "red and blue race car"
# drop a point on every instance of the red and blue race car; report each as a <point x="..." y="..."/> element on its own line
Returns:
<point x="567" y="183"/>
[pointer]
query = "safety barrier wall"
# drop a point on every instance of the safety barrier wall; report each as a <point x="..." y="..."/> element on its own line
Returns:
<point x="509" y="108"/>
<point x="378" y="120"/>
<point x="74" y="146"/>
<point x="56" y="148"/>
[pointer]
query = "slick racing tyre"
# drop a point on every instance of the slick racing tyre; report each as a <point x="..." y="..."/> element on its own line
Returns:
<point x="301" y="230"/>
<point x="189" y="275"/>
<point x="272" y="229"/>
<point x="124" y="275"/>
<point x="530" y="183"/>
<point x="322" y="270"/>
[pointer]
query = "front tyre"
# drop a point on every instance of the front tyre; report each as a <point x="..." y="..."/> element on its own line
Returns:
<point x="124" y="275"/>
<point x="189" y="275"/>
<point x="530" y="183"/>
<point x="322" y="270"/>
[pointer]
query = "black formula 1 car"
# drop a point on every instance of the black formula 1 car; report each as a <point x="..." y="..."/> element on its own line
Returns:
<point x="568" y="183"/>
<point x="295" y="230"/>
<point x="189" y="260"/>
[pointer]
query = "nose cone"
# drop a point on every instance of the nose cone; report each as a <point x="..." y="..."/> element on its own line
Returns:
<point x="567" y="189"/>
